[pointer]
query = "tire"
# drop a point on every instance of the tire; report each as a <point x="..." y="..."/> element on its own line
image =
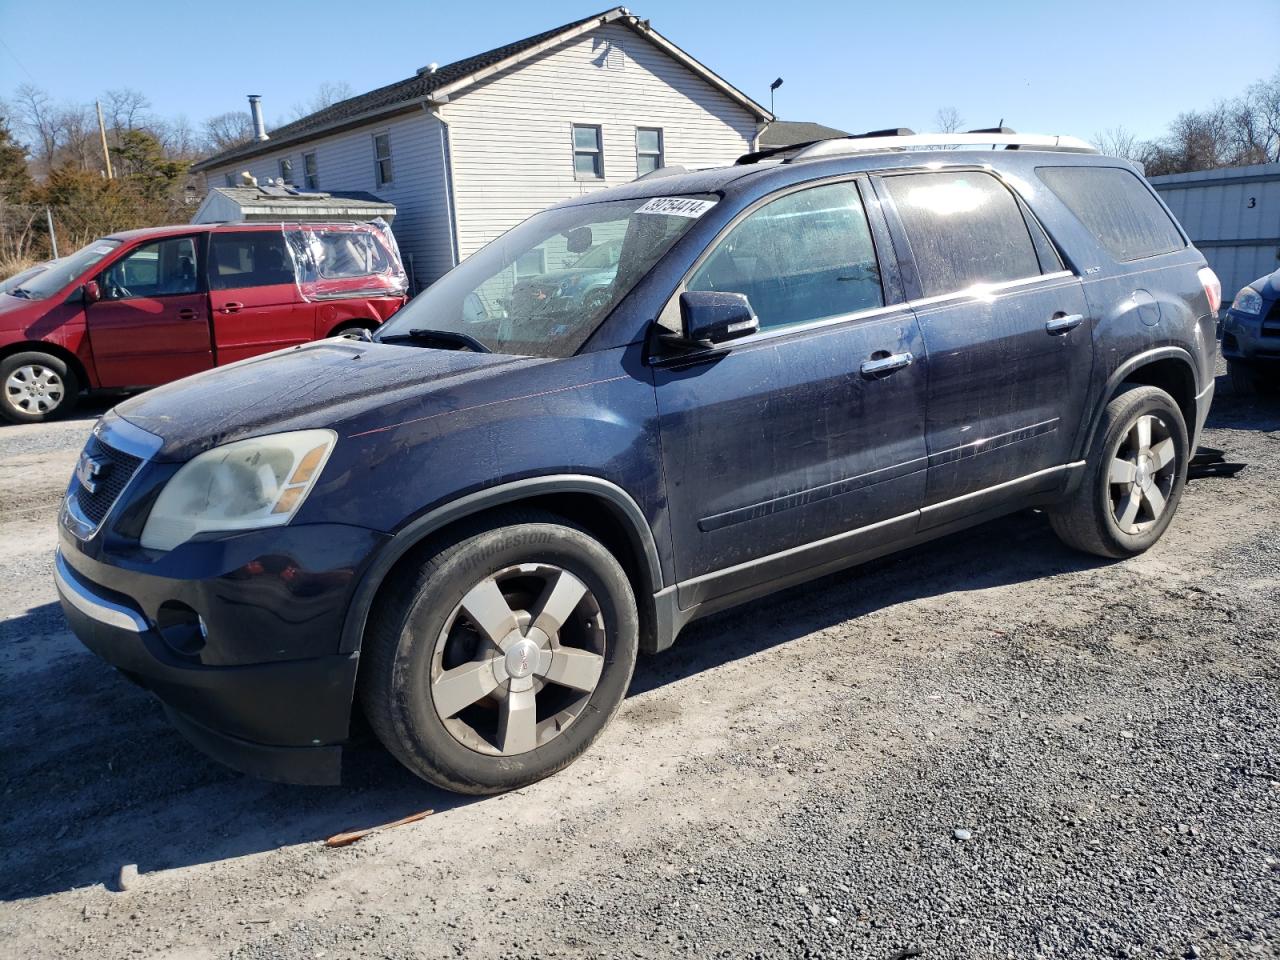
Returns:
<point x="446" y="700"/>
<point x="1124" y="513"/>
<point x="1248" y="380"/>
<point x="350" y="328"/>
<point x="35" y="387"/>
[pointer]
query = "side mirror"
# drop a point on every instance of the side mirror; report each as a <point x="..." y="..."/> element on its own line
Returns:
<point x="708" y="317"/>
<point x="92" y="292"/>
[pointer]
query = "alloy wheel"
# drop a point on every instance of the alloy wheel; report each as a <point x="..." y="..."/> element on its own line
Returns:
<point x="34" y="389"/>
<point x="1142" y="474"/>
<point x="518" y="659"/>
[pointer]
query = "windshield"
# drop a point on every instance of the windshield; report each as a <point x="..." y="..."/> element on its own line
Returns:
<point x="64" y="271"/>
<point x="514" y="295"/>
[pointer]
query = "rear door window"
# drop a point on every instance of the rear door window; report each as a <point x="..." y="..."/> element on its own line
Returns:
<point x="803" y="257"/>
<point x="965" y="228"/>
<point x="1117" y="208"/>
<point x="250" y="259"/>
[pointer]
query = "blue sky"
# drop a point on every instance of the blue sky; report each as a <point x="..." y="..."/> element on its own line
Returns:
<point x="1057" y="68"/>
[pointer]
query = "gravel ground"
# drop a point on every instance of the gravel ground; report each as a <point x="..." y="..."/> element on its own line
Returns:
<point x="989" y="746"/>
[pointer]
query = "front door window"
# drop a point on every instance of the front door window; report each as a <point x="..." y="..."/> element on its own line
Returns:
<point x="166" y="268"/>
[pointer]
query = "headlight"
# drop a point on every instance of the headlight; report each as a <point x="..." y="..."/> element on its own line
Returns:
<point x="239" y="486"/>
<point x="1248" y="300"/>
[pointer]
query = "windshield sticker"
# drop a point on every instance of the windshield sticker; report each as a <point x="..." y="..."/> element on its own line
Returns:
<point x="677" y="206"/>
<point x="103" y="250"/>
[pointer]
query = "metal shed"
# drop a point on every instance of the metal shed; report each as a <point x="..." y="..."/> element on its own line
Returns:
<point x="1232" y="215"/>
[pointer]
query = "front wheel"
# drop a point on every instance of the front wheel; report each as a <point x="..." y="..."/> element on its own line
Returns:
<point x="35" y="387"/>
<point x="1248" y="380"/>
<point x="1134" y="477"/>
<point x="502" y="658"/>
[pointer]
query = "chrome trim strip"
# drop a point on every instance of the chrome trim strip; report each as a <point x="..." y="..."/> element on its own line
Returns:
<point x="979" y="290"/>
<point x="75" y="593"/>
<point x="921" y="513"/>
<point x="114" y="430"/>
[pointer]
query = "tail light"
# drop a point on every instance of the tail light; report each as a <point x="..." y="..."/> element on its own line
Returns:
<point x="1212" y="288"/>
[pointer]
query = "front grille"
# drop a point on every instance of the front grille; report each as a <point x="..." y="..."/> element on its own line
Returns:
<point x="110" y="482"/>
<point x="1271" y="324"/>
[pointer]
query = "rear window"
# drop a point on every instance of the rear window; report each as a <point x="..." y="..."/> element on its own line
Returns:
<point x="965" y="228"/>
<point x="1117" y="208"/>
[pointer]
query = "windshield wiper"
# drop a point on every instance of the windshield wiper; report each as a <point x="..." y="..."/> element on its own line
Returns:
<point x="447" y="338"/>
<point x="20" y="292"/>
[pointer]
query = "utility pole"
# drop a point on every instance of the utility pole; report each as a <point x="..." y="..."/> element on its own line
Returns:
<point x="53" y="237"/>
<point x="102" y="132"/>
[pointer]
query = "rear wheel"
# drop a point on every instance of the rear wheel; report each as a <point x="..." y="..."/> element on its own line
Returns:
<point x="35" y="387"/>
<point x="1134" y="477"/>
<point x="503" y="657"/>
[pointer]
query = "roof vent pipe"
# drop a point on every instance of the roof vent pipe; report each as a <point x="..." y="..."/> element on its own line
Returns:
<point x="429" y="69"/>
<point x="255" y="109"/>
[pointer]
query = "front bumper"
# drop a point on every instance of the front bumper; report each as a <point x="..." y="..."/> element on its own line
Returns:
<point x="266" y="691"/>
<point x="1251" y="336"/>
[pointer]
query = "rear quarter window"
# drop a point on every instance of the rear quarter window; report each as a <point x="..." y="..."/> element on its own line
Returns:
<point x="1117" y="208"/>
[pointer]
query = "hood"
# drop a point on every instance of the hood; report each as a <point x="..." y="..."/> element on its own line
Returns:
<point x="16" y="313"/>
<point x="320" y="384"/>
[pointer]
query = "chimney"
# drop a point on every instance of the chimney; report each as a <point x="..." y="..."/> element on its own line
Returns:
<point x="255" y="108"/>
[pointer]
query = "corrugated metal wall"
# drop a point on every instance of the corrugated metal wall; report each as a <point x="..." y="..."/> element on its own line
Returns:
<point x="1232" y="215"/>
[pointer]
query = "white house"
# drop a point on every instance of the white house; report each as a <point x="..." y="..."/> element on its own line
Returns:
<point x="467" y="150"/>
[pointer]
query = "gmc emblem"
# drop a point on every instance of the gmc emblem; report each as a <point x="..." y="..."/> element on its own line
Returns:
<point x="88" y="469"/>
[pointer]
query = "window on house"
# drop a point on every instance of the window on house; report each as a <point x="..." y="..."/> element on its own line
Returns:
<point x="310" y="171"/>
<point x="230" y="179"/>
<point x="382" y="158"/>
<point x="648" y="150"/>
<point x="588" y="154"/>
<point x="285" y="168"/>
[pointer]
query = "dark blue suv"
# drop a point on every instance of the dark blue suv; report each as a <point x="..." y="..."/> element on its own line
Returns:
<point x="472" y="523"/>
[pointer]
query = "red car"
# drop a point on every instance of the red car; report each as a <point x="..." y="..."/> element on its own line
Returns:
<point x="144" y="307"/>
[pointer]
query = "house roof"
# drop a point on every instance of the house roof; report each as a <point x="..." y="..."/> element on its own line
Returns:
<point x="783" y="133"/>
<point x="453" y="77"/>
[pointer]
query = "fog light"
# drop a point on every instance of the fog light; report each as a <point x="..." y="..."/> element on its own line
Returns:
<point x="181" y="628"/>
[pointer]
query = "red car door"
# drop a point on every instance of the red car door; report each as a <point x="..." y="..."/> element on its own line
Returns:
<point x="151" y="323"/>
<point x="253" y="291"/>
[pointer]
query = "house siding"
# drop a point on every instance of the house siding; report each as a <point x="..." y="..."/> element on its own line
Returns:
<point x="345" y="161"/>
<point x="510" y="135"/>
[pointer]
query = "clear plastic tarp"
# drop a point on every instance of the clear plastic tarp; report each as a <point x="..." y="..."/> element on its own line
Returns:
<point x="336" y="260"/>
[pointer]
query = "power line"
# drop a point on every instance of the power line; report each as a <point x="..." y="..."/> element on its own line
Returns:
<point x="20" y="64"/>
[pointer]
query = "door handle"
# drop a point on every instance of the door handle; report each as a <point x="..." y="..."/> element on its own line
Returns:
<point x="1062" y="322"/>
<point x="186" y="313"/>
<point x="886" y="364"/>
<point x="232" y="307"/>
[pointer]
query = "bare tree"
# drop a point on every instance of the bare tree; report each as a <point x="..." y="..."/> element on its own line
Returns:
<point x="228" y="130"/>
<point x="125" y="109"/>
<point x="1119" y="142"/>
<point x="35" y="113"/>
<point x="326" y="95"/>
<point x="948" y="120"/>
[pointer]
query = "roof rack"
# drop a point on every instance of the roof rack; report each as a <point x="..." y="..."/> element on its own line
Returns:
<point x="1006" y="141"/>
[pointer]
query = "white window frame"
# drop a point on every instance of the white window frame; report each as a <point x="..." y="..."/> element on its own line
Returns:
<point x="378" y="161"/>
<point x="662" y="148"/>
<point x="598" y="153"/>
<point x="311" y="178"/>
